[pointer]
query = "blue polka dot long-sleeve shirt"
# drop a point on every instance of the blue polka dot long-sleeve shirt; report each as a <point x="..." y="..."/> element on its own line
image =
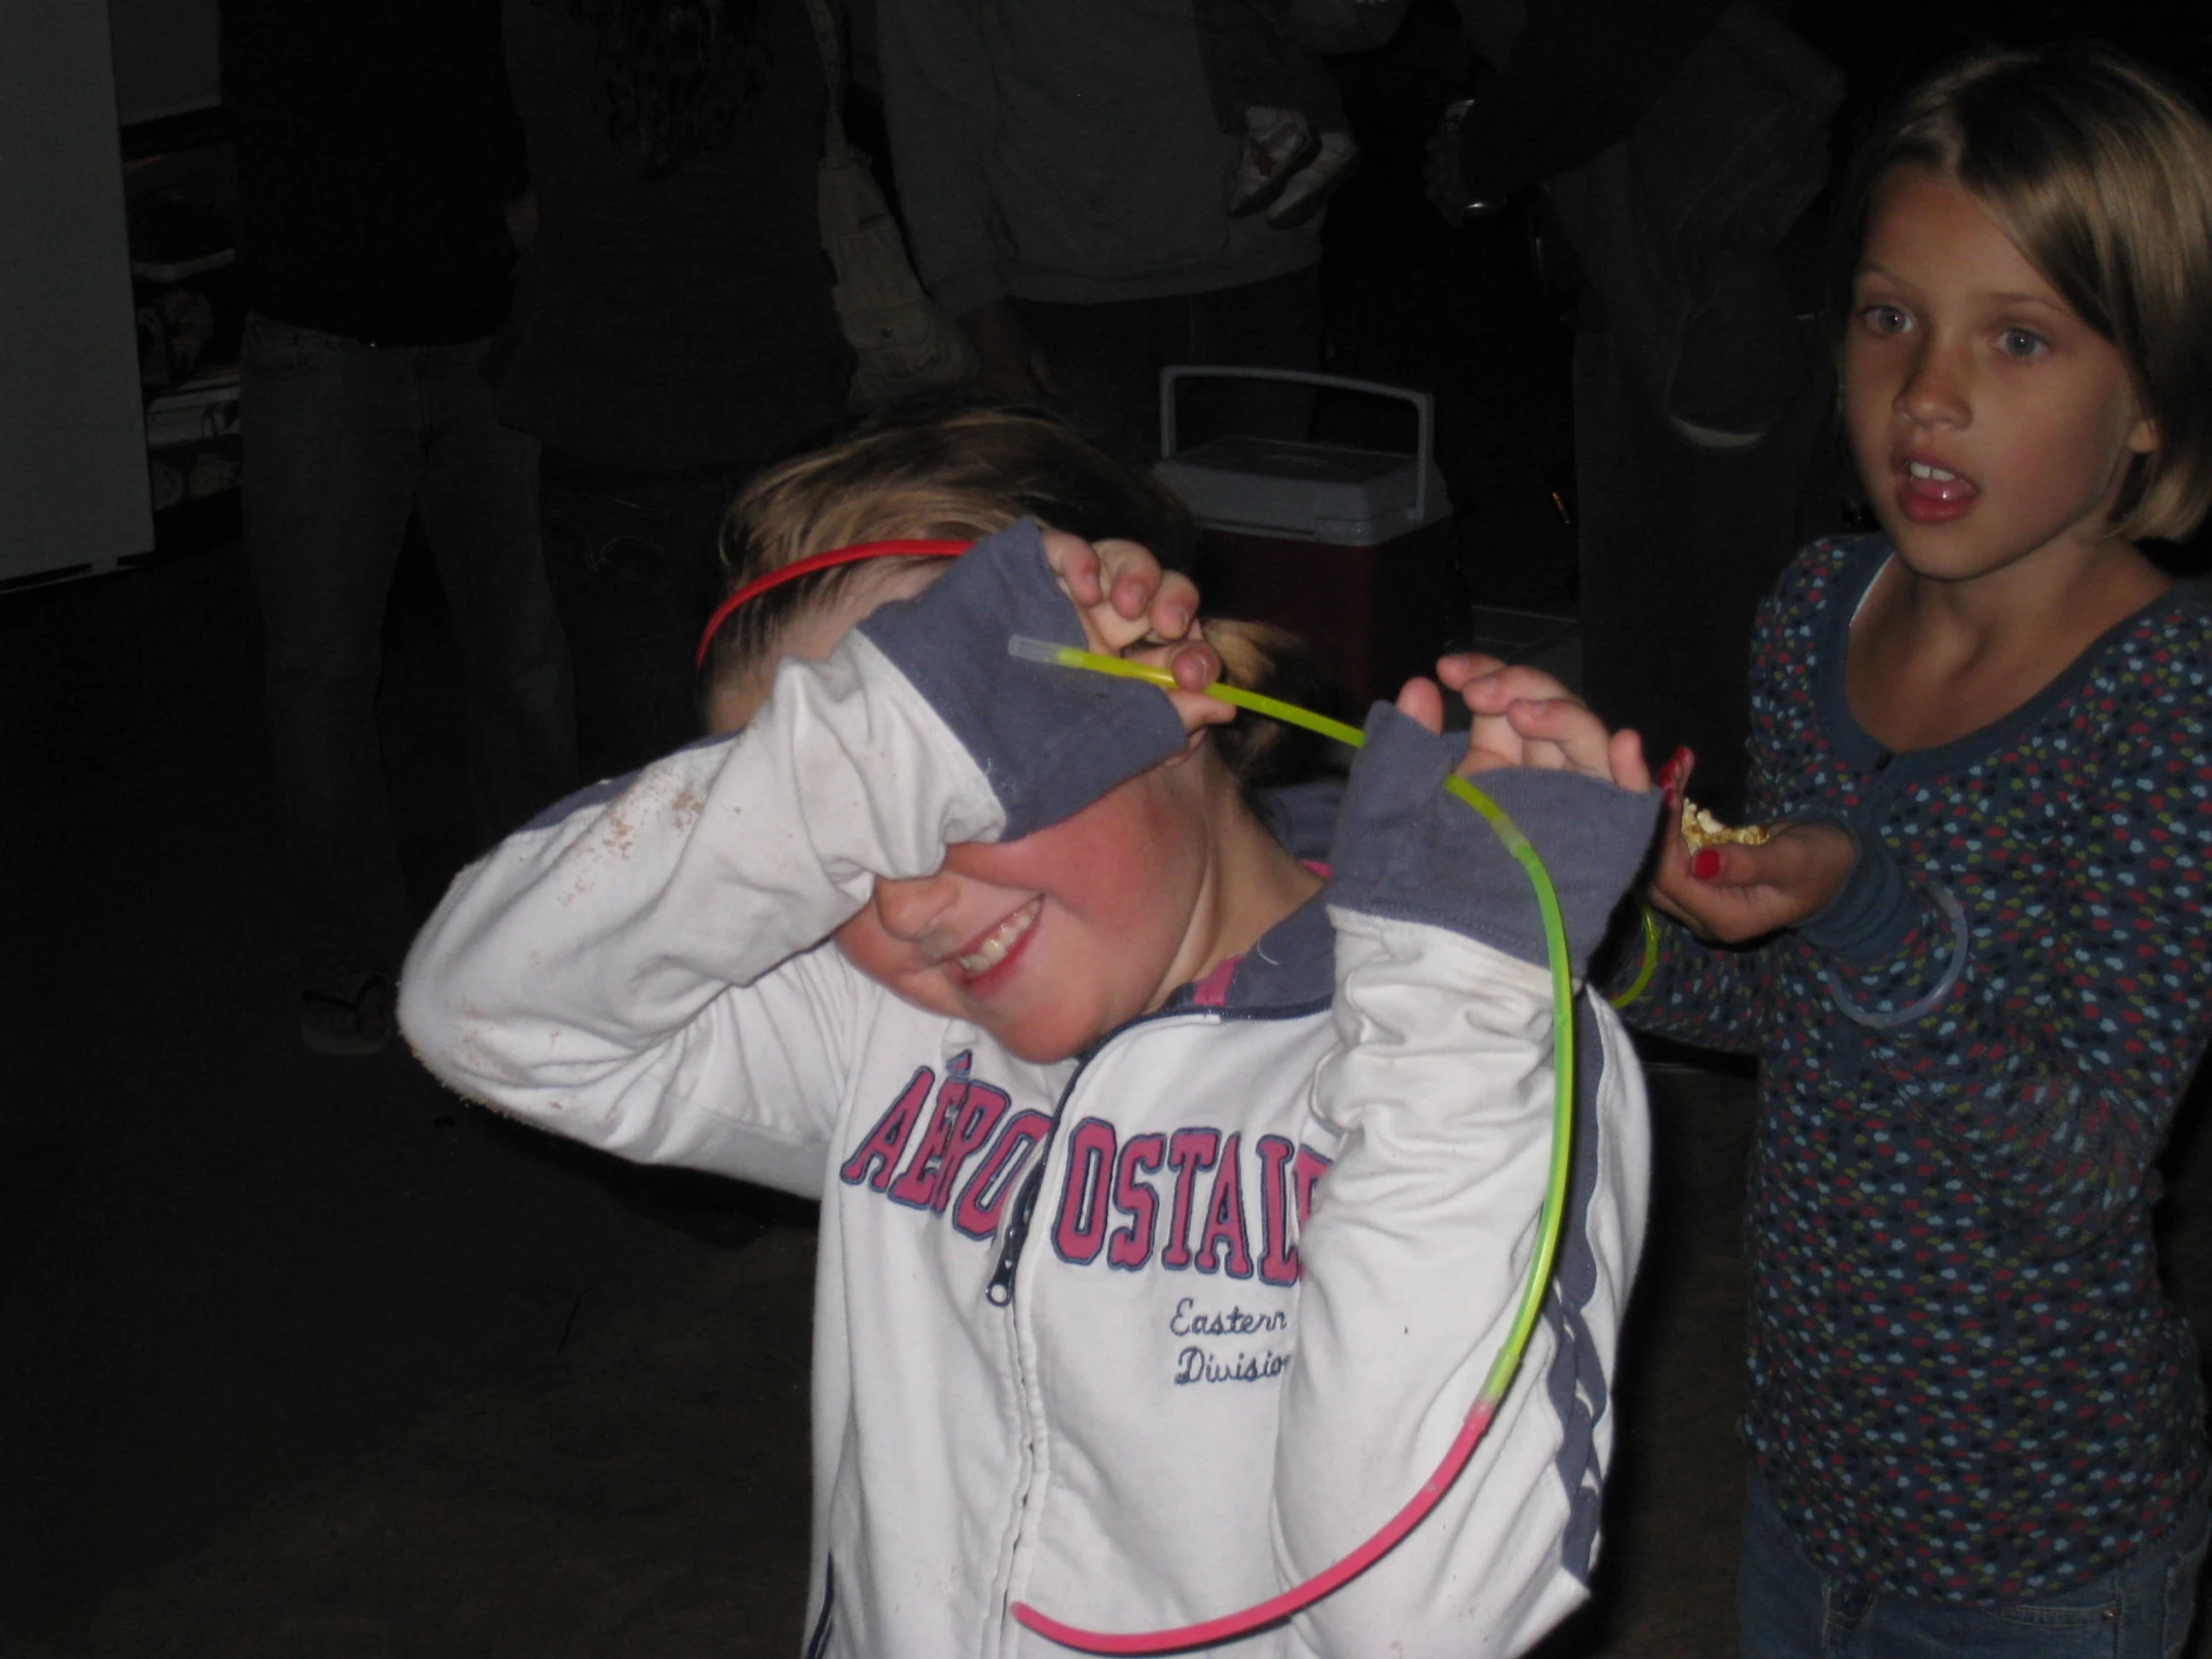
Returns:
<point x="1966" y="1382"/>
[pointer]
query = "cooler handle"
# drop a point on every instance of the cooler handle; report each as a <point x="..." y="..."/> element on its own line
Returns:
<point x="1424" y="409"/>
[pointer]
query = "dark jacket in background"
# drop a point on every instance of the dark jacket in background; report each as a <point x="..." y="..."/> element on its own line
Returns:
<point x="377" y="150"/>
<point x="678" y="322"/>
<point x="1575" y="77"/>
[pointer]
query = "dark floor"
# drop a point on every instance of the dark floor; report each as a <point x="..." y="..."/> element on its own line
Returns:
<point x="302" y="1358"/>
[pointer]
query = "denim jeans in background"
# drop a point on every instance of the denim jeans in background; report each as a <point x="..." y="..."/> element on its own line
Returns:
<point x="1788" y="1608"/>
<point x="636" y="567"/>
<point x="341" y="440"/>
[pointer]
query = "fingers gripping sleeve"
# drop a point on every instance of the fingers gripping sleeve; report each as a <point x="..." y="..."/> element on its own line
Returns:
<point x="941" y="97"/>
<point x="1050" y="740"/>
<point x="1408" y="851"/>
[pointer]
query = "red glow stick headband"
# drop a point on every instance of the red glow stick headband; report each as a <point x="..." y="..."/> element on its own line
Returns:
<point x="821" y="561"/>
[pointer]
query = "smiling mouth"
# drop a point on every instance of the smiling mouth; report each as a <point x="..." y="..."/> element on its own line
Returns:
<point x="1000" y="942"/>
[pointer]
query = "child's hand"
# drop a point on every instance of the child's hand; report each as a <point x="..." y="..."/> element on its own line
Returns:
<point x="1524" y="718"/>
<point x="1736" y="892"/>
<point x="1132" y="608"/>
<point x="1124" y="595"/>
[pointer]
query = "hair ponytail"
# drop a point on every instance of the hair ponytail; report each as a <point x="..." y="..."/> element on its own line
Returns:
<point x="1263" y="754"/>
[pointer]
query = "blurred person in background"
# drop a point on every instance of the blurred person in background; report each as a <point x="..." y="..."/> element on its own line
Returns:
<point x="383" y="194"/>
<point x="672" y="328"/>
<point x="1069" y="191"/>
<point x="1680" y="147"/>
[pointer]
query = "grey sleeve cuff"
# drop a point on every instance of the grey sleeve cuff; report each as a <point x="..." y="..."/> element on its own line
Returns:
<point x="1407" y="849"/>
<point x="1870" y="916"/>
<point x="1050" y="740"/>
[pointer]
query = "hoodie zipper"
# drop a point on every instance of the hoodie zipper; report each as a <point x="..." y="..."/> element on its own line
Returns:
<point x="999" y="1293"/>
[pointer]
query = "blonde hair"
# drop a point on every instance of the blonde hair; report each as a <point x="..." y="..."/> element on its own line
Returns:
<point x="963" y="471"/>
<point x="954" y="470"/>
<point x="2101" y="174"/>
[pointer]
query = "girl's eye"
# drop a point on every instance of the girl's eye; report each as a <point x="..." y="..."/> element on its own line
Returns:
<point x="2020" y="342"/>
<point x="1884" y="319"/>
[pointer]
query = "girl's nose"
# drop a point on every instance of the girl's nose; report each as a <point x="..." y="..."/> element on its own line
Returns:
<point x="1935" y="391"/>
<point x="908" y="909"/>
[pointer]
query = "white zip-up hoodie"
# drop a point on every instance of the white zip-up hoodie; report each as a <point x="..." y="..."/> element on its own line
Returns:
<point x="1145" y="1335"/>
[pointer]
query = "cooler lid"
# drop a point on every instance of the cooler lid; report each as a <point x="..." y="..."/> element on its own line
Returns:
<point x="1310" y="491"/>
<point x="1323" y="492"/>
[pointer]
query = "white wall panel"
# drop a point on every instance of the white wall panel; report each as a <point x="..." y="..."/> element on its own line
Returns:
<point x="73" y="479"/>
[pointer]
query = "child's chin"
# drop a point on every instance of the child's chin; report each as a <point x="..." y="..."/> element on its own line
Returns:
<point x="1043" y="1053"/>
<point x="1045" y="1047"/>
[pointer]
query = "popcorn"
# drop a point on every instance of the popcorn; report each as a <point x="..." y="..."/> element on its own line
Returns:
<point x="1702" y="830"/>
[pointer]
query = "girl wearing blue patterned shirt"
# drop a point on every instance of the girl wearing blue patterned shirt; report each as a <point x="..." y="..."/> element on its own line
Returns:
<point x="1975" y="958"/>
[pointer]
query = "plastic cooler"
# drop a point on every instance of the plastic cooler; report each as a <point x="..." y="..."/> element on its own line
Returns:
<point x="1349" y="548"/>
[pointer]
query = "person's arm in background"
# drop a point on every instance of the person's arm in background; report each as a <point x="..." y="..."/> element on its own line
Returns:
<point x="522" y="219"/>
<point x="272" y="59"/>
<point x="506" y="156"/>
<point x="1010" y="363"/>
<point x="1579" y="77"/>
<point x="1344" y="25"/>
<point x="941" y="106"/>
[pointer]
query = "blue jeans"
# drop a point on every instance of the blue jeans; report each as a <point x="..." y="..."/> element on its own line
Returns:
<point x="339" y="442"/>
<point x="1788" y="1608"/>
<point x="636" y="568"/>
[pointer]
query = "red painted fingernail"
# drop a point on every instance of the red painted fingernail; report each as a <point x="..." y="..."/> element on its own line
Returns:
<point x="1705" y="864"/>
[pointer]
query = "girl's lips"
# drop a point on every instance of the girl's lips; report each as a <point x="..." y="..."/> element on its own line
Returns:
<point x="1931" y="494"/>
<point x="987" y="963"/>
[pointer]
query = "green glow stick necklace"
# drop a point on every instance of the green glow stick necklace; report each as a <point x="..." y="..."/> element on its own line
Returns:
<point x="1231" y="1626"/>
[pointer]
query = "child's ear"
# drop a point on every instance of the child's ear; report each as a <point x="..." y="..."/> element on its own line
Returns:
<point x="2143" y="439"/>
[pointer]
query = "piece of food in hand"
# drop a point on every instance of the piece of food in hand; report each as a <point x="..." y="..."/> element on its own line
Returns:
<point x="1702" y="830"/>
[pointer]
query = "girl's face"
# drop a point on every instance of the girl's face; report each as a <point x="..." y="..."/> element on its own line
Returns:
<point x="1988" y="421"/>
<point x="1050" y="942"/>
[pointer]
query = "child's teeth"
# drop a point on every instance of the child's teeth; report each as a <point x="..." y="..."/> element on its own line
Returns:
<point x="1920" y="469"/>
<point x="993" y="951"/>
